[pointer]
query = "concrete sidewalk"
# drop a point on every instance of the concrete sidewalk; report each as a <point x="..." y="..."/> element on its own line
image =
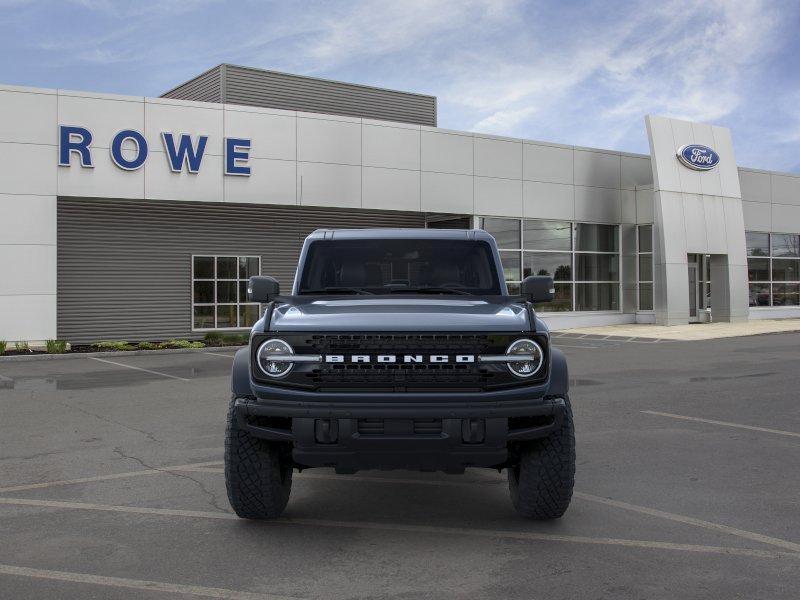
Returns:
<point x="697" y="331"/>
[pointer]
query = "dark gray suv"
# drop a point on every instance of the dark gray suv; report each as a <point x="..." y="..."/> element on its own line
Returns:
<point x="400" y="349"/>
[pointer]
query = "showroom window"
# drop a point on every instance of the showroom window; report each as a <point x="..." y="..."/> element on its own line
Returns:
<point x="644" y="278"/>
<point x="773" y="268"/>
<point x="219" y="292"/>
<point x="582" y="259"/>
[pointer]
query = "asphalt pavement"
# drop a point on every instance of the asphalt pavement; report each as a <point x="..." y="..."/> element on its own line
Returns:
<point x="688" y="486"/>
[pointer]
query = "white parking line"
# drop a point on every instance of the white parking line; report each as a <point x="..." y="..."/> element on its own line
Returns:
<point x="111" y="362"/>
<point x="723" y="423"/>
<point x="461" y="531"/>
<point x="137" y="584"/>
<point x="653" y="512"/>
<point x="47" y="484"/>
<point x="213" y="467"/>
<point x="560" y="345"/>
<point x="219" y="354"/>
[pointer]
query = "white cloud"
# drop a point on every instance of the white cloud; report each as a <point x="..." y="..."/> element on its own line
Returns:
<point x="659" y="61"/>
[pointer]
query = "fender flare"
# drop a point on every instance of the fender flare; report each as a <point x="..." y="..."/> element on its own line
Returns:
<point x="240" y="373"/>
<point x="559" y="374"/>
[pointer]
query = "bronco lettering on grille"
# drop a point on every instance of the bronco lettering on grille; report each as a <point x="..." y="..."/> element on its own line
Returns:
<point x="404" y="358"/>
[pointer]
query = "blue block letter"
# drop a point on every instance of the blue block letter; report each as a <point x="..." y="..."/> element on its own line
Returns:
<point x="237" y="151"/>
<point x="74" y="139"/>
<point x="185" y="152"/>
<point x="141" y="149"/>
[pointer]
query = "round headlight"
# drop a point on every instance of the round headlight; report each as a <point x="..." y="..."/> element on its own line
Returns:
<point x="522" y="366"/>
<point x="266" y="355"/>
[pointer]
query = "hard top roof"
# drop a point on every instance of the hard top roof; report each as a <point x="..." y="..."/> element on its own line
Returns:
<point x="401" y="234"/>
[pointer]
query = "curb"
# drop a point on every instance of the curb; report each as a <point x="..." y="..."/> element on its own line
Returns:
<point x="76" y="355"/>
<point x="596" y="337"/>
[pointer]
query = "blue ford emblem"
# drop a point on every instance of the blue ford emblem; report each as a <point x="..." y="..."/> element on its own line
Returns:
<point x="697" y="157"/>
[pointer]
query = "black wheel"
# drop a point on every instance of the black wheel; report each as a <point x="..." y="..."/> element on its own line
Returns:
<point x="257" y="481"/>
<point x="541" y="484"/>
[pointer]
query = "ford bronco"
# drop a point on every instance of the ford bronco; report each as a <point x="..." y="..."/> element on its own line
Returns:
<point x="400" y="349"/>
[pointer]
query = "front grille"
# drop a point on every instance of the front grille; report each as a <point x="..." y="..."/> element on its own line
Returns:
<point x="434" y="376"/>
<point x="470" y="376"/>
<point x="398" y="343"/>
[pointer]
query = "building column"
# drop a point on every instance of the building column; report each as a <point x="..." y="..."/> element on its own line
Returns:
<point x="27" y="268"/>
<point x="28" y="183"/>
<point x="670" y="261"/>
<point x="696" y="212"/>
<point x="729" y="302"/>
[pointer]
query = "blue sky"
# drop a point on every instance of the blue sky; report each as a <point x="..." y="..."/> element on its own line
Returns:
<point x="579" y="73"/>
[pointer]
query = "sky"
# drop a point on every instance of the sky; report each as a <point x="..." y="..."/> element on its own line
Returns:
<point x="581" y="73"/>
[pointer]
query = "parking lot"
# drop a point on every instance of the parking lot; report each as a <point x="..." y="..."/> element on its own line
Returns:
<point x="688" y="486"/>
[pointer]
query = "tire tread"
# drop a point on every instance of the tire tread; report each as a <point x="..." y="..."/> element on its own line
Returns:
<point x="258" y="485"/>
<point x="541" y="486"/>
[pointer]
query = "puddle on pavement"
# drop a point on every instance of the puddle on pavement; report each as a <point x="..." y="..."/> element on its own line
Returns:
<point x="584" y="382"/>
<point x="100" y="379"/>
<point x="724" y="377"/>
<point x="77" y="382"/>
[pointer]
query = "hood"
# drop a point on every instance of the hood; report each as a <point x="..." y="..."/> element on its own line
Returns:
<point x="314" y="313"/>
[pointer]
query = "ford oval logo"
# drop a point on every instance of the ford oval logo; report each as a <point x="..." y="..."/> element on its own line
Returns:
<point x="697" y="157"/>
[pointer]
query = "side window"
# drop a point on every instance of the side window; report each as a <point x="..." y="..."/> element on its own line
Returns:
<point x="773" y="268"/>
<point x="219" y="292"/>
<point x="582" y="259"/>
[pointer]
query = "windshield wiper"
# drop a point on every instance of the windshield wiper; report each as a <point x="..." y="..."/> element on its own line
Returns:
<point x="338" y="290"/>
<point x="431" y="290"/>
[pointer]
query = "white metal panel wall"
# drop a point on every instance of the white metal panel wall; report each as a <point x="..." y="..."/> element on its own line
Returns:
<point x="27" y="214"/>
<point x="315" y="160"/>
<point x="771" y="201"/>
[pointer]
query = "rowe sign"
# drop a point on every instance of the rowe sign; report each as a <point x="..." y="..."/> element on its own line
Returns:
<point x="181" y="150"/>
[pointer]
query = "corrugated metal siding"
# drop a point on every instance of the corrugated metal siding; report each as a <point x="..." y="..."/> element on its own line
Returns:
<point x="448" y="221"/>
<point x="279" y="90"/>
<point x="270" y="89"/>
<point x="124" y="266"/>
<point x="206" y="87"/>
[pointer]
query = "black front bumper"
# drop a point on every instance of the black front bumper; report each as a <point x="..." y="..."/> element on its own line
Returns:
<point x="508" y="402"/>
<point x="470" y="431"/>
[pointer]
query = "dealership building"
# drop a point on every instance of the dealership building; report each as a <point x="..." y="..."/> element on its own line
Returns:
<point x="135" y="218"/>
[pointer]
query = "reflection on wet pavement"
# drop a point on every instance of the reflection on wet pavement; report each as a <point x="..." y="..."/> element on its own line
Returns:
<point x="114" y="377"/>
<point x="584" y="382"/>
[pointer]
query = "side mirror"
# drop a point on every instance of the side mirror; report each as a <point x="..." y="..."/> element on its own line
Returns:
<point x="262" y="289"/>
<point x="538" y="288"/>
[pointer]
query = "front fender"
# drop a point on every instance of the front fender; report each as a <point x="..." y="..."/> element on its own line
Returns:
<point x="240" y="374"/>
<point x="559" y="374"/>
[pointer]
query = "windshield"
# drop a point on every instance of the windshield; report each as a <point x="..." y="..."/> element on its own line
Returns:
<point x="399" y="266"/>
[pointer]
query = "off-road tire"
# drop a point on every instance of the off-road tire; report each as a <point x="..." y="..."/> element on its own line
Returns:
<point x="257" y="481"/>
<point x="541" y="484"/>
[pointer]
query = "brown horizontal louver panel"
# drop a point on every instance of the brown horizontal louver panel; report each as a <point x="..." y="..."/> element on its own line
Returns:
<point x="269" y="89"/>
<point x="206" y="87"/>
<point x="124" y="266"/>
